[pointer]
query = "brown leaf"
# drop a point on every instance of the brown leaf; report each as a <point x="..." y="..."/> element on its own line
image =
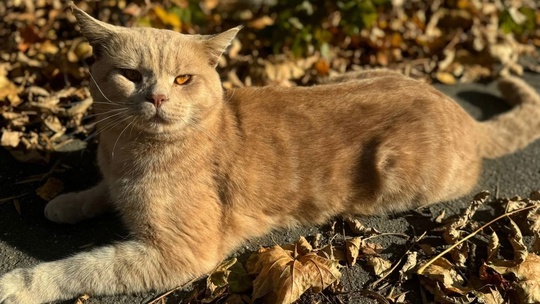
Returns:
<point x="516" y="239"/>
<point x="493" y="297"/>
<point x="380" y="265"/>
<point x="322" y="66"/>
<point x="50" y="189"/>
<point x="352" y="247"/>
<point x="287" y="275"/>
<point x="410" y="263"/>
<point x="261" y="22"/>
<point x="493" y="247"/>
<point x="527" y="274"/>
<point x="443" y="272"/>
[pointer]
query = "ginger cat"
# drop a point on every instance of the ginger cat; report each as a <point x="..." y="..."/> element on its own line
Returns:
<point x="183" y="161"/>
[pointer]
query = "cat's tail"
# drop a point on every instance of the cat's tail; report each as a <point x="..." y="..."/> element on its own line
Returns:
<point x="513" y="130"/>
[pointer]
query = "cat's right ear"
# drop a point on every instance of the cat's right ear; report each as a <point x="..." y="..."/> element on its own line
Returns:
<point x="97" y="32"/>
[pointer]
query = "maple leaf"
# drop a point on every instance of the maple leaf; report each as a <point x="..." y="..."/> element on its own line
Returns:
<point x="285" y="275"/>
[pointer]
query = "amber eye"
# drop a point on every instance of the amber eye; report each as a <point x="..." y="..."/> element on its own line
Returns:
<point x="182" y="79"/>
<point x="132" y="75"/>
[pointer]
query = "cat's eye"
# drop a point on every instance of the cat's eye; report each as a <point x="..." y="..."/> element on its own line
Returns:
<point x="132" y="75"/>
<point x="182" y="79"/>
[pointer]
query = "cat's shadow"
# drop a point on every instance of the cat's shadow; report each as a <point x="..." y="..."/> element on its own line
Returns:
<point x="23" y="226"/>
<point x="482" y="105"/>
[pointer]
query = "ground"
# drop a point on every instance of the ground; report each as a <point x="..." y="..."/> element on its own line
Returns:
<point x="26" y="237"/>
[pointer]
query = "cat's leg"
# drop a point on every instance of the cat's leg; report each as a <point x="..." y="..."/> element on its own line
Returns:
<point x="74" y="207"/>
<point x="118" y="269"/>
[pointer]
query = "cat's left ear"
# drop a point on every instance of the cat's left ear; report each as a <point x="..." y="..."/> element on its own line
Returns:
<point x="217" y="44"/>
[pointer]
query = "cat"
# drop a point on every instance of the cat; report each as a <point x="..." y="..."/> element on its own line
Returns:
<point x="194" y="171"/>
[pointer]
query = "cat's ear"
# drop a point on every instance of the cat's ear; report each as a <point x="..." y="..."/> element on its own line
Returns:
<point x="97" y="32"/>
<point x="217" y="44"/>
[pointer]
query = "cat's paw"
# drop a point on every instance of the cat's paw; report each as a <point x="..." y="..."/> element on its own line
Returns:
<point x="65" y="209"/>
<point x="13" y="288"/>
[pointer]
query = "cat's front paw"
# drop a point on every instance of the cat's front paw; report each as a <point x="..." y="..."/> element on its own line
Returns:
<point x="65" y="209"/>
<point x="14" y="289"/>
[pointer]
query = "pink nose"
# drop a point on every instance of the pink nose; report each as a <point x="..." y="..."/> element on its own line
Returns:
<point x="158" y="99"/>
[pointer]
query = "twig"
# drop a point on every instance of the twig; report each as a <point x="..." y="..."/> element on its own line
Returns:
<point x="7" y="199"/>
<point x="394" y="267"/>
<point x="373" y="295"/>
<point x="403" y="235"/>
<point x="423" y="268"/>
<point x="161" y="297"/>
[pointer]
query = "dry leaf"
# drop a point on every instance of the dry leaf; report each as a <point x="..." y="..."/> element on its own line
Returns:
<point x="50" y="189"/>
<point x="493" y="247"/>
<point x="443" y="272"/>
<point x="380" y="265"/>
<point x="352" y="247"/>
<point x="527" y="274"/>
<point x="516" y="239"/>
<point x="82" y="299"/>
<point x="356" y="226"/>
<point x="261" y="22"/>
<point x="440" y="217"/>
<point x="10" y="138"/>
<point x="491" y="297"/>
<point x="287" y="274"/>
<point x="410" y="263"/>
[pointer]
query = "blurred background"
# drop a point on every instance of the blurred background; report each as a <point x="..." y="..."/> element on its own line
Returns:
<point x="44" y="60"/>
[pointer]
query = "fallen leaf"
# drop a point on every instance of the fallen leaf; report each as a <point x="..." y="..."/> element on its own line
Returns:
<point x="443" y="272"/>
<point x="10" y="138"/>
<point x="527" y="275"/>
<point x="287" y="274"/>
<point x="50" y="189"/>
<point x="440" y="217"/>
<point x="493" y="247"/>
<point x="516" y="239"/>
<point x="352" y="247"/>
<point x="380" y="265"/>
<point x="261" y="22"/>
<point x="410" y="263"/>
<point x="492" y="297"/>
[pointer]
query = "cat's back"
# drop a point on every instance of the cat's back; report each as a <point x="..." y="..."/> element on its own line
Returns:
<point x="367" y="98"/>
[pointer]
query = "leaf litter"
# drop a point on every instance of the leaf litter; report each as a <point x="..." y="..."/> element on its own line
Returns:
<point x="500" y="272"/>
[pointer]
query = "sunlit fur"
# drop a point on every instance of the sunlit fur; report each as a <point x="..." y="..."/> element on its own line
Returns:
<point x="194" y="178"/>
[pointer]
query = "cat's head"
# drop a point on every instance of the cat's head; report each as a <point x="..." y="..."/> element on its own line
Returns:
<point x="159" y="80"/>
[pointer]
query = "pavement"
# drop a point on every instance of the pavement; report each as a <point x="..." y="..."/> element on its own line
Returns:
<point x="27" y="238"/>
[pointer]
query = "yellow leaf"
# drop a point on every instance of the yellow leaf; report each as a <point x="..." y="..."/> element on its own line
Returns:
<point x="167" y="18"/>
<point x="261" y="23"/>
<point x="10" y="138"/>
<point x="445" y="77"/>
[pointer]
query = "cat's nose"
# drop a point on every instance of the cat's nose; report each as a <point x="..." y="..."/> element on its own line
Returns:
<point x="157" y="99"/>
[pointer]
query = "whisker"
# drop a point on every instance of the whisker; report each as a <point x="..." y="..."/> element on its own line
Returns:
<point x="95" y="82"/>
<point x="108" y="126"/>
<point x="109" y="116"/>
<point x="120" y="135"/>
<point x="97" y="114"/>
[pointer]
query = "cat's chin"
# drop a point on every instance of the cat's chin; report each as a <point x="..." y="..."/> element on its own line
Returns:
<point x="160" y="126"/>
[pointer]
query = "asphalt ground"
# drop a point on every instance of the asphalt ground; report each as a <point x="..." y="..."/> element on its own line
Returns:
<point x="27" y="238"/>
